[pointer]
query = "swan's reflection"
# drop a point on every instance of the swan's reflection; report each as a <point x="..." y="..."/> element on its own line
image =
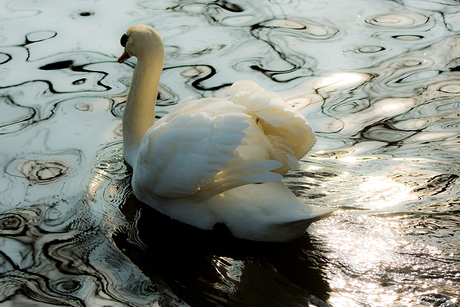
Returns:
<point x="207" y="268"/>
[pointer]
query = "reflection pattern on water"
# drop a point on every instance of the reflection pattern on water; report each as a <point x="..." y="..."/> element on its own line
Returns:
<point x="378" y="81"/>
<point x="78" y="268"/>
<point x="70" y="259"/>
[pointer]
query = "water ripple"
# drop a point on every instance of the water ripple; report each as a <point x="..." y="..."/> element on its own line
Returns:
<point x="18" y="118"/>
<point x="399" y="20"/>
<point x="39" y="36"/>
<point x="43" y="172"/>
<point x="303" y="29"/>
<point x="377" y="80"/>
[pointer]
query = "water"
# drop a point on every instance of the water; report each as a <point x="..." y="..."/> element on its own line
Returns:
<point x="379" y="82"/>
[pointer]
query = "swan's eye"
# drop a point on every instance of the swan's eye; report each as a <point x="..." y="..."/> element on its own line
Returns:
<point x="124" y="40"/>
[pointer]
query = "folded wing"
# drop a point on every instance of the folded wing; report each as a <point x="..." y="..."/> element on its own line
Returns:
<point x="192" y="151"/>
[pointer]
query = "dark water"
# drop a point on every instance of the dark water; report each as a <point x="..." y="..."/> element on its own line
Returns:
<point x="378" y="80"/>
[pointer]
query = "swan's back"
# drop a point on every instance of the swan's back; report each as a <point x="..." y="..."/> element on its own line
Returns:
<point x="288" y="131"/>
<point x="207" y="146"/>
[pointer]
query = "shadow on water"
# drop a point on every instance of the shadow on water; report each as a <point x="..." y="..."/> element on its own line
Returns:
<point x="153" y="260"/>
<point x="212" y="268"/>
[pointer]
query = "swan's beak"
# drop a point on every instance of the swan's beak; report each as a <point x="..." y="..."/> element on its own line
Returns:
<point x="123" y="57"/>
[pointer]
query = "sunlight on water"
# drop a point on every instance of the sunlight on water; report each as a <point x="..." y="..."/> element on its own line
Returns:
<point x="378" y="81"/>
<point x="389" y="193"/>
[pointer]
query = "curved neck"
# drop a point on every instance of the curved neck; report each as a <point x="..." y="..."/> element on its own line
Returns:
<point x="139" y="112"/>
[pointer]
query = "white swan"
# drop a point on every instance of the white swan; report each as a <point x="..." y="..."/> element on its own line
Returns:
<point x="213" y="160"/>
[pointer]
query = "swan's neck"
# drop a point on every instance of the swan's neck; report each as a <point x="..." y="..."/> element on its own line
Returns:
<point x="139" y="112"/>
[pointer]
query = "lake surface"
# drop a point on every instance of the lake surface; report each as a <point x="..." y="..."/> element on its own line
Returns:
<point x="378" y="80"/>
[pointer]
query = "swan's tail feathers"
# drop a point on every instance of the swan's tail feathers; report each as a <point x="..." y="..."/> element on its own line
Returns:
<point x="291" y="135"/>
<point x="288" y="231"/>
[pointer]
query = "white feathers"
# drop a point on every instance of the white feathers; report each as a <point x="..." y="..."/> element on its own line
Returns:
<point x="211" y="145"/>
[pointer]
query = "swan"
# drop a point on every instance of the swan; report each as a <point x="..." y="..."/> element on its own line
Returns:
<point x="214" y="161"/>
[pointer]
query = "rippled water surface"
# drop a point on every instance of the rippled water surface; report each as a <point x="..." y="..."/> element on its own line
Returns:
<point x="378" y="80"/>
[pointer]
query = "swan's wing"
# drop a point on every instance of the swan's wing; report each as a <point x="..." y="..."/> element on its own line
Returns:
<point x="184" y="152"/>
<point x="289" y="132"/>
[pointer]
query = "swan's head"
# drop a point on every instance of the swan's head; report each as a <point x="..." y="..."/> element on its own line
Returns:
<point x="140" y="41"/>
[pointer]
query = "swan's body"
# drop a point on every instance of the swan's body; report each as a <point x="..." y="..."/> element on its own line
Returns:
<point x="213" y="160"/>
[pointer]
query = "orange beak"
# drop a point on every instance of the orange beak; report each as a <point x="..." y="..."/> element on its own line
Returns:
<point x="125" y="55"/>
